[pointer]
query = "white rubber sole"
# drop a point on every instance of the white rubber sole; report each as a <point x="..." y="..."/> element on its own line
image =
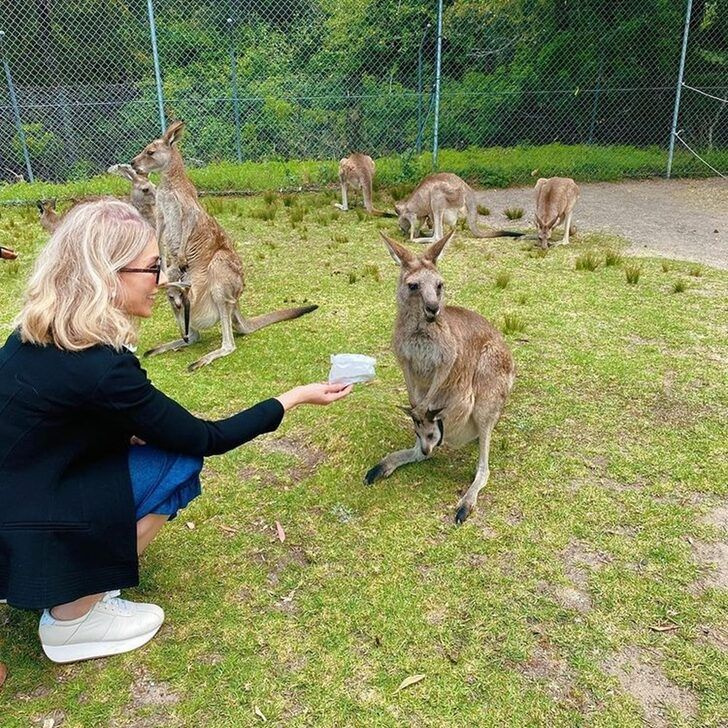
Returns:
<point x="91" y="650"/>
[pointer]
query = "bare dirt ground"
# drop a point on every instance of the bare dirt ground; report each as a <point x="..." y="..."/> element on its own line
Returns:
<point x="683" y="219"/>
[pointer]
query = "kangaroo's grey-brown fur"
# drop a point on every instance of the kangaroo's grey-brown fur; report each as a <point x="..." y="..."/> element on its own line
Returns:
<point x="457" y="367"/>
<point x="198" y="255"/>
<point x="555" y="200"/>
<point x="442" y="198"/>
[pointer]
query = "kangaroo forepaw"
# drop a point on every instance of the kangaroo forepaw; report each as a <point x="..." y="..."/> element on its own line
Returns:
<point x="375" y="473"/>
<point x="462" y="513"/>
<point x="341" y="207"/>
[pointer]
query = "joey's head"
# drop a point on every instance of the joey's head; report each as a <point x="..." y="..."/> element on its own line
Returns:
<point x="421" y="288"/>
<point x="157" y="155"/>
<point x="429" y="427"/>
<point x="405" y="219"/>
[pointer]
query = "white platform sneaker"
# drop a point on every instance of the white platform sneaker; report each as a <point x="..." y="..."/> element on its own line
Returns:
<point x="110" y="627"/>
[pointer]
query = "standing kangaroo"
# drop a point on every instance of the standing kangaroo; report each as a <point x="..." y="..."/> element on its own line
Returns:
<point x="443" y="198"/>
<point x="555" y="200"/>
<point x="49" y="218"/>
<point x="457" y="367"/>
<point x="357" y="171"/>
<point x="199" y="256"/>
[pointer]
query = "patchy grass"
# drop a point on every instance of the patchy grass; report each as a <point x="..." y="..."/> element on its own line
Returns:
<point x="587" y="261"/>
<point x="502" y="279"/>
<point x="632" y="273"/>
<point x="680" y="286"/>
<point x="513" y="213"/>
<point x="584" y="574"/>
<point x="613" y="258"/>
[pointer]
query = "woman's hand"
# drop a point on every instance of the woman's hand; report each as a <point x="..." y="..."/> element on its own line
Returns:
<point x="317" y="393"/>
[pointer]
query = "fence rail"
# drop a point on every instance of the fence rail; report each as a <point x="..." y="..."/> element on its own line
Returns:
<point x="87" y="83"/>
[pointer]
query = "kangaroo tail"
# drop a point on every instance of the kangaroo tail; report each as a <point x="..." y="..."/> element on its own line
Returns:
<point x="382" y="213"/>
<point x="249" y="325"/>
<point x="497" y="233"/>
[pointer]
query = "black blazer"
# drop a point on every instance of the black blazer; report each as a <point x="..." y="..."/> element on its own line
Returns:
<point x="67" y="519"/>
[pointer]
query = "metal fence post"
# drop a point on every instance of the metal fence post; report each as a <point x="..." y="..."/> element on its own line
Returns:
<point x="673" y="131"/>
<point x="419" y="89"/>
<point x="438" y="64"/>
<point x="157" y="72"/>
<point x="16" y="108"/>
<point x="234" y="81"/>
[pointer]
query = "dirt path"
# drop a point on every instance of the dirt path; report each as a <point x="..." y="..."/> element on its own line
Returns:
<point x="684" y="219"/>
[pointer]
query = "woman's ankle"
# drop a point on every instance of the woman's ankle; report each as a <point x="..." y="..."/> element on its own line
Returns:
<point x="75" y="609"/>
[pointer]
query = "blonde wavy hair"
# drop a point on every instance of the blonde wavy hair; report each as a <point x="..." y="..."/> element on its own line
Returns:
<point x="70" y="301"/>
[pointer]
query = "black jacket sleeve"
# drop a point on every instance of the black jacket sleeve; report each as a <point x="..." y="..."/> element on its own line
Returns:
<point x="126" y="394"/>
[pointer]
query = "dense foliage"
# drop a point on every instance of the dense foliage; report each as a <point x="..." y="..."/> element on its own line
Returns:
<point x="314" y="79"/>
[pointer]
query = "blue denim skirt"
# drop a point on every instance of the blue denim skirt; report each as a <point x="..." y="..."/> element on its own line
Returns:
<point x="162" y="481"/>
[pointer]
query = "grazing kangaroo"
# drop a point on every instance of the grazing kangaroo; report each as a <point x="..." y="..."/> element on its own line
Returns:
<point x="7" y="254"/>
<point x="49" y="218"/>
<point x="143" y="193"/>
<point x="199" y="256"/>
<point x="555" y="200"/>
<point x="443" y="198"/>
<point x="457" y="367"/>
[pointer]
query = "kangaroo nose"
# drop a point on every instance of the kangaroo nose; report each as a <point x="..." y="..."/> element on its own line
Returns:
<point x="432" y="310"/>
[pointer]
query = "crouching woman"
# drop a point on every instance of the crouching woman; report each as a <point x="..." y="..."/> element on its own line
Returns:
<point x="81" y="496"/>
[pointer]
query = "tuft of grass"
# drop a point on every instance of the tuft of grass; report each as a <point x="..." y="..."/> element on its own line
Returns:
<point x="268" y="213"/>
<point x="269" y="197"/>
<point x="522" y="299"/>
<point x="372" y="271"/>
<point x="513" y="323"/>
<point x="696" y="271"/>
<point x="322" y="219"/>
<point x="587" y="261"/>
<point x="296" y="214"/>
<point x="680" y="286"/>
<point x="513" y="213"/>
<point x="537" y="252"/>
<point x="483" y="210"/>
<point x="360" y="214"/>
<point x="666" y="267"/>
<point x="502" y="279"/>
<point x="341" y="239"/>
<point x="612" y="257"/>
<point x="632" y="273"/>
<point x="288" y="200"/>
<point x="353" y="277"/>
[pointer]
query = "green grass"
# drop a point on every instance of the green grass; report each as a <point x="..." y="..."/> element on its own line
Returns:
<point x="612" y="443"/>
<point x="587" y="261"/>
<point x="490" y="167"/>
<point x="632" y="273"/>
<point x="483" y="210"/>
<point x="513" y="213"/>
<point x="680" y="286"/>
<point x="612" y="258"/>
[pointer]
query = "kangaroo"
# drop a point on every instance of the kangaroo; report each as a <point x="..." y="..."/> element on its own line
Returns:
<point x="49" y="218"/>
<point x="199" y="256"/>
<point x="457" y="367"/>
<point x="7" y="254"/>
<point x="555" y="200"/>
<point x="357" y="171"/>
<point x="143" y="192"/>
<point x="443" y="198"/>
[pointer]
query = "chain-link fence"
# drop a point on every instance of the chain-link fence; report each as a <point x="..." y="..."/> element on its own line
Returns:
<point x="89" y="82"/>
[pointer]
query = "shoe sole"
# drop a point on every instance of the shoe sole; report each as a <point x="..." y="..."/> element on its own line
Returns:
<point x="91" y="650"/>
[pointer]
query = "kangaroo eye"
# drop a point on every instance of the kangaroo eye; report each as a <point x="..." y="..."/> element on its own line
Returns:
<point x="440" y="286"/>
<point x="413" y="286"/>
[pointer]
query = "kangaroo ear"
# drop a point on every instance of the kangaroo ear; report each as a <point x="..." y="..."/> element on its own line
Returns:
<point x="122" y="170"/>
<point x="397" y="208"/>
<point x="174" y="132"/>
<point x="400" y="254"/>
<point x="435" y="251"/>
<point x="433" y="414"/>
<point x="39" y="205"/>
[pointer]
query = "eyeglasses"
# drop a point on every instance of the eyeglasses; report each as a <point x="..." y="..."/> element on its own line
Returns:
<point x="156" y="269"/>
